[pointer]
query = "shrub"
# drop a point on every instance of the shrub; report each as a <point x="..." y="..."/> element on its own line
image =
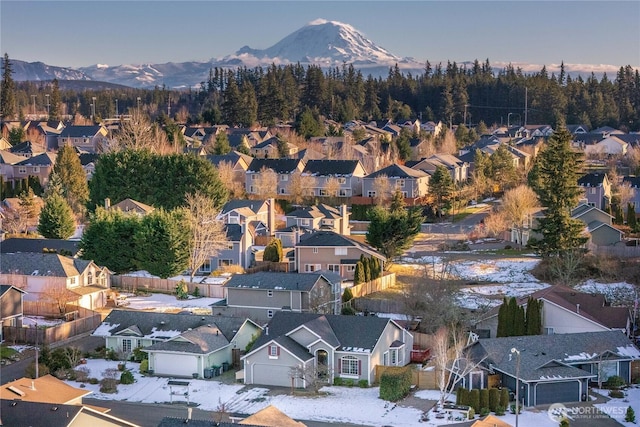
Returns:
<point x="337" y="381"/>
<point x="30" y="371"/>
<point x="139" y="355"/>
<point x="144" y="366"/>
<point x="121" y="367"/>
<point x="363" y="384"/>
<point x="108" y="385"/>
<point x="347" y="295"/>
<point x="484" y="399"/>
<point x="127" y="377"/>
<point x="494" y="399"/>
<point x="472" y="413"/>
<point x="616" y="394"/>
<point x="81" y="374"/>
<point x="500" y="410"/>
<point x="564" y="422"/>
<point x="461" y="396"/>
<point x="348" y="382"/>
<point x="395" y="383"/>
<point x="182" y="290"/>
<point x="347" y="310"/>
<point x="484" y="412"/>
<point x="196" y="292"/>
<point x="93" y="381"/>
<point x="513" y="408"/>
<point x="504" y="398"/>
<point x="474" y="399"/>
<point x="630" y="416"/>
<point x="615" y="381"/>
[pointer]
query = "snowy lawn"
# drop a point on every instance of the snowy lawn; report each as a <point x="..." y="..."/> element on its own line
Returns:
<point x="163" y="302"/>
<point x="617" y="408"/>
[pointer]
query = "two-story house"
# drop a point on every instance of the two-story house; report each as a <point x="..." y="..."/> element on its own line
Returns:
<point x="260" y="295"/>
<point x="316" y="217"/>
<point x="283" y="169"/>
<point x="330" y="251"/>
<point x="10" y="307"/>
<point x="458" y="169"/>
<point x="57" y="278"/>
<point x="597" y="189"/>
<point x="333" y="346"/>
<point x="347" y="173"/>
<point x="410" y="182"/>
<point x="269" y="149"/>
<point x="39" y="166"/>
<point x="85" y="138"/>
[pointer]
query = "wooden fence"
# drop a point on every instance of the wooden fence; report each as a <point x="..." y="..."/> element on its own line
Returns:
<point x="424" y="378"/>
<point x="88" y="321"/>
<point x="133" y="283"/>
<point x="387" y="280"/>
<point x="615" y="251"/>
<point x="281" y="267"/>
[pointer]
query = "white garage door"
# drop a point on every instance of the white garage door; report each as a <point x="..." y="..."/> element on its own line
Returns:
<point x="175" y="365"/>
<point x="271" y="375"/>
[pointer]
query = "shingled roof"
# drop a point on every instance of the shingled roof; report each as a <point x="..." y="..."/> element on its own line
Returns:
<point x="202" y="340"/>
<point x="592" y="180"/>
<point x="398" y="171"/>
<point x="17" y="244"/>
<point x="283" y="166"/>
<point x="40" y="264"/>
<point x="276" y="281"/>
<point x="331" y="167"/>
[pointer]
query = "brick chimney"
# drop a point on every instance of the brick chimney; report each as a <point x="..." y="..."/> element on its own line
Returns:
<point x="345" y="229"/>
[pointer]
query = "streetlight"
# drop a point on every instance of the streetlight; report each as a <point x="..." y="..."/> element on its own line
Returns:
<point x="508" y="117"/>
<point x="47" y="95"/>
<point x="516" y="351"/>
<point x="93" y="109"/>
<point x="116" y="107"/>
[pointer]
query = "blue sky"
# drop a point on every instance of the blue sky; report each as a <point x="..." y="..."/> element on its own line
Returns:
<point x="81" y="33"/>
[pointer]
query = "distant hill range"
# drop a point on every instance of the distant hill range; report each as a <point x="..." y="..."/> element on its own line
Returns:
<point x="324" y="43"/>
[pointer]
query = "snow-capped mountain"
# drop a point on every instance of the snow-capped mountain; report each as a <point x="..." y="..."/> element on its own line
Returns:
<point x="320" y="42"/>
<point x="39" y="71"/>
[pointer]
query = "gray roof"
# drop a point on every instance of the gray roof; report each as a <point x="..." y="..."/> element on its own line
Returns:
<point x="17" y="244"/>
<point x="202" y="340"/>
<point x="40" y="264"/>
<point x="545" y="356"/>
<point x="5" y="288"/>
<point x="19" y="413"/>
<point x="277" y="165"/>
<point x="331" y="167"/>
<point x="80" y="131"/>
<point x="231" y="158"/>
<point x="276" y="281"/>
<point x="181" y="422"/>
<point x="234" y="232"/>
<point x="592" y="180"/>
<point x="327" y="238"/>
<point x="347" y="333"/>
<point x="163" y="326"/>
<point x="398" y="171"/>
<point x="43" y="159"/>
<point x="254" y="205"/>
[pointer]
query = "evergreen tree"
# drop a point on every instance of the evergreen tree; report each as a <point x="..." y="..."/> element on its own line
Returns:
<point x="534" y="317"/>
<point x="221" y="145"/>
<point x="631" y="217"/>
<point x="273" y="251"/>
<point x="27" y="204"/>
<point x="502" y="330"/>
<point x="618" y="218"/>
<point x="519" y="324"/>
<point x="358" y="275"/>
<point x="512" y="317"/>
<point x="554" y="178"/>
<point x="503" y="170"/>
<point x="366" y="267"/>
<point x="630" y="415"/>
<point x="7" y="91"/>
<point x="54" y="100"/>
<point x="441" y="188"/>
<point x="56" y="218"/>
<point x="244" y="147"/>
<point x="73" y="179"/>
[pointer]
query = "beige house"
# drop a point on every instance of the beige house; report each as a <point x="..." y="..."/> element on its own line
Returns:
<point x="56" y="278"/>
<point x="39" y="166"/>
<point x="348" y="173"/>
<point x="84" y="138"/>
<point x="283" y="169"/>
<point x="330" y="251"/>
<point x="410" y="182"/>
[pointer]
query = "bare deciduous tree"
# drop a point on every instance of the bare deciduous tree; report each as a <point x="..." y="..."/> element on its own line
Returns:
<point x="301" y="187"/>
<point x="448" y="144"/>
<point x="331" y="187"/>
<point x="207" y="234"/>
<point x="138" y="133"/>
<point x="266" y="183"/>
<point x="382" y="187"/>
<point x="232" y="181"/>
<point x="495" y="223"/>
<point x="517" y="203"/>
<point x="59" y="296"/>
<point x="312" y="374"/>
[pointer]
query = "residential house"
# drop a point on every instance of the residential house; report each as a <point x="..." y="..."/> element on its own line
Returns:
<point x="271" y="417"/>
<point x="27" y="149"/>
<point x="10" y="307"/>
<point x="283" y="168"/>
<point x="317" y="217"/>
<point x="577" y="129"/>
<point x="348" y="173"/>
<point x="44" y="389"/>
<point x="599" y="225"/>
<point x="330" y="251"/>
<point x="260" y="295"/>
<point x="597" y="189"/>
<point x="179" y="345"/>
<point x="239" y="163"/>
<point x="634" y="184"/>
<point x="17" y="412"/>
<point x="566" y="311"/>
<point x="432" y="127"/>
<point x="130" y="206"/>
<point x="491" y="421"/>
<point x="607" y="130"/>
<point x="7" y="160"/>
<point x="86" y="138"/>
<point x="260" y="214"/>
<point x="269" y="149"/>
<point x="610" y="146"/>
<point x="458" y="169"/>
<point x="39" y="274"/>
<point x="410" y="182"/>
<point x="551" y="368"/>
<point x="347" y="347"/>
<point x="240" y="239"/>
<point x="39" y="166"/>
<point x="194" y="422"/>
<point x="38" y="246"/>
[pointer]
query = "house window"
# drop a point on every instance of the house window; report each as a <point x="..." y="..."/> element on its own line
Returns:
<point x="304" y="222"/>
<point x="343" y="193"/>
<point x="269" y="314"/>
<point x="404" y="193"/>
<point x="254" y="177"/>
<point x="230" y="246"/>
<point x="22" y="170"/>
<point x="270" y="292"/>
<point x="342" y="180"/>
<point x="385" y="358"/>
<point x="274" y="351"/>
<point x="351" y="268"/>
<point x="282" y="191"/>
<point x="394" y="356"/>
<point x="72" y="281"/>
<point x="310" y="268"/>
<point x="335" y="268"/>
<point x="36" y="169"/>
<point x="371" y="194"/>
<point x="349" y="366"/>
<point x="206" y="266"/>
<point x="126" y="346"/>
<point x="324" y="192"/>
<point x="592" y="191"/>
<point x="315" y="250"/>
<point x="341" y="251"/>
<point x="548" y="331"/>
<point x="89" y="278"/>
<point x="400" y="182"/>
<point x="251" y="189"/>
<point x="284" y="177"/>
<point x="224" y="262"/>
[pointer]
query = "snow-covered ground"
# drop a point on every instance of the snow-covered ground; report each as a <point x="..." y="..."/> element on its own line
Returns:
<point x="336" y="405"/>
<point x="617" y="408"/>
<point x="163" y="302"/>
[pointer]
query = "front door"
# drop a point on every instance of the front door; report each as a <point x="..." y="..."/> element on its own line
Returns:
<point x="322" y="365"/>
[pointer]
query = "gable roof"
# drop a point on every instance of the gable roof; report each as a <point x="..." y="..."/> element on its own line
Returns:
<point x="6" y="288"/>
<point x="129" y="205"/>
<point x="634" y="181"/>
<point x="254" y="205"/>
<point x="163" y="326"/>
<point x="27" y="147"/>
<point x="398" y="171"/>
<point x="331" y="167"/>
<point x="8" y="158"/>
<point x="276" y="281"/>
<point x="21" y="413"/>
<point x="277" y="165"/>
<point x="204" y="339"/>
<point x="592" y="180"/>
<point x="232" y="157"/>
<point x="271" y="417"/>
<point x="353" y="333"/>
<point x="42" y="159"/>
<point x="548" y="356"/>
<point x="17" y="244"/>
<point x="315" y="211"/>
<point x="45" y="389"/>
<point x="332" y="239"/>
<point x="40" y="264"/>
<point x="80" y="131"/>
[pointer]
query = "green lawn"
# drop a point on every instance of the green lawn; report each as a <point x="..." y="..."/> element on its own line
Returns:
<point x="6" y="352"/>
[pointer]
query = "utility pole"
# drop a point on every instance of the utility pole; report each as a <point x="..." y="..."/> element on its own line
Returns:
<point x="47" y="95"/>
<point x="517" y="352"/>
<point x="33" y="97"/>
<point x="526" y="96"/>
<point x="169" y="108"/>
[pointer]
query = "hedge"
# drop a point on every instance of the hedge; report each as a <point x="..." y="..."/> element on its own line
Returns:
<point x="484" y="399"/>
<point x="494" y="399"/>
<point x="474" y="400"/>
<point x="395" y="383"/>
<point x="504" y="397"/>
